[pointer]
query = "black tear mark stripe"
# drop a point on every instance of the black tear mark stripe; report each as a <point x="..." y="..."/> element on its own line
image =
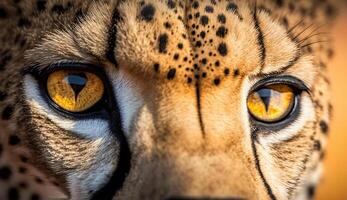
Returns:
<point x="116" y="181"/>
<point x="112" y="32"/>
<point x="198" y="105"/>
<point x="257" y="165"/>
<point x="260" y="38"/>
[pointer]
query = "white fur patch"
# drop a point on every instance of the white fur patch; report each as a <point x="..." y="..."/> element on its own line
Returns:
<point x="128" y="95"/>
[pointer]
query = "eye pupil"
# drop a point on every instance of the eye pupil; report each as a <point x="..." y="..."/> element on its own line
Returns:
<point x="77" y="82"/>
<point x="265" y="95"/>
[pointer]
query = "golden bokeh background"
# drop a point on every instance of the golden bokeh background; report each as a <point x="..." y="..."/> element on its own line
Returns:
<point x="334" y="182"/>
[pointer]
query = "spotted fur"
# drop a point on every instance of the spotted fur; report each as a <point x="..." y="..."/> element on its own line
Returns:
<point x="180" y="72"/>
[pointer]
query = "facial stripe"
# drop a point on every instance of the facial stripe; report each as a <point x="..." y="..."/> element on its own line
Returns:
<point x="124" y="160"/>
<point x="198" y="102"/>
<point x="110" y="54"/>
<point x="258" y="167"/>
<point x="260" y="38"/>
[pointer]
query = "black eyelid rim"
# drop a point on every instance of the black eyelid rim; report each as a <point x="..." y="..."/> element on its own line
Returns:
<point x="45" y="71"/>
<point x="284" y="79"/>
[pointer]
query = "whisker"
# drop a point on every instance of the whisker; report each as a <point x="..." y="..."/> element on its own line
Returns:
<point x="305" y="29"/>
<point x="309" y="44"/>
<point x="311" y="36"/>
<point x="296" y="25"/>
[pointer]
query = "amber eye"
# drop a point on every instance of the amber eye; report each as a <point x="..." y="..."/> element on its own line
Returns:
<point x="74" y="91"/>
<point x="272" y="103"/>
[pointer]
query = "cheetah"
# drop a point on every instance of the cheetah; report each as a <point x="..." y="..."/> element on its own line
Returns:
<point x="163" y="99"/>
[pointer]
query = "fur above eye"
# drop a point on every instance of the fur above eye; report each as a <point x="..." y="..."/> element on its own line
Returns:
<point x="271" y="103"/>
<point x="74" y="90"/>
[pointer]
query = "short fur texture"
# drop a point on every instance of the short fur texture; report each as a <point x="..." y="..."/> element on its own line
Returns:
<point x="180" y="72"/>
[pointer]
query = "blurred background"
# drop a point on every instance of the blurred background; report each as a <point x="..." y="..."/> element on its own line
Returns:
<point x="334" y="183"/>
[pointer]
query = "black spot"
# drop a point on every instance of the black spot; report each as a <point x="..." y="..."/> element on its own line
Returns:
<point x="209" y="9"/>
<point x="232" y="7"/>
<point x="24" y="159"/>
<point x="156" y="67"/>
<point x="180" y="46"/>
<point x="221" y="32"/>
<point x="311" y="191"/>
<point x="3" y="13"/>
<point x="217" y="63"/>
<point x="203" y="34"/>
<point x="23" y="23"/>
<point x="167" y="25"/>
<point x="197" y="76"/>
<point x="204" y="20"/>
<point x="176" y="56"/>
<point x="185" y="59"/>
<point x="221" y="18"/>
<point x="195" y="4"/>
<point x="41" y="5"/>
<point x="22" y="170"/>
<point x="216" y="81"/>
<point x="285" y="22"/>
<point x="330" y="53"/>
<point x="3" y="95"/>
<point x="198" y="44"/>
<point x="13" y="194"/>
<point x="324" y="127"/>
<point x="5" y="173"/>
<point x="329" y="11"/>
<point x="35" y="197"/>
<point x="171" y="74"/>
<point x="236" y="72"/>
<point x="189" y="80"/>
<point x="163" y="40"/>
<point x="204" y="75"/>
<point x="23" y="185"/>
<point x="13" y="140"/>
<point x="204" y="61"/>
<point x="38" y="180"/>
<point x="226" y="71"/>
<point x="171" y="4"/>
<point x="291" y="7"/>
<point x="279" y="3"/>
<point x="147" y="12"/>
<point x="58" y="9"/>
<point x="7" y="113"/>
<point x="197" y="15"/>
<point x="222" y="49"/>
<point x="79" y="15"/>
<point x="317" y="145"/>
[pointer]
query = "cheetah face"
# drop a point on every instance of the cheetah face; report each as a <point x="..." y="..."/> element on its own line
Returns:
<point x="177" y="99"/>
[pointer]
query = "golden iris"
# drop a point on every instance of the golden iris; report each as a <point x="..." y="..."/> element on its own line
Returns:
<point x="271" y="103"/>
<point x="73" y="90"/>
